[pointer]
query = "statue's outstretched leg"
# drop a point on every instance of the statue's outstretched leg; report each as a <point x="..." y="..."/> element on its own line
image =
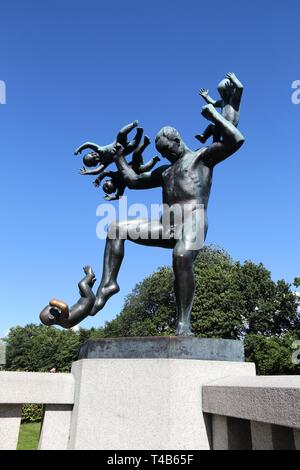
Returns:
<point x="137" y="157"/>
<point x="138" y="164"/>
<point x="149" y="165"/>
<point x="141" y="232"/>
<point x="58" y="312"/>
<point x="133" y="145"/>
<point x="113" y="257"/>
<point x="122" y="137"/>
<point x="123" y="133"/>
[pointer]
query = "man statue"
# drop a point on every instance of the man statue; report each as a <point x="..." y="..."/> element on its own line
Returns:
<point x="186" y="184"/>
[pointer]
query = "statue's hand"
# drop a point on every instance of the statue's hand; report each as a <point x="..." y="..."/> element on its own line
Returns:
<point x="83" y="171"/>
<point x="78" y="151"/>
<point x="111" y="198"/>
<point x="231" y="77"/>
<point x="203" y="92"/>
<point x="96" y="183"/>
<point x="229" y="84"/>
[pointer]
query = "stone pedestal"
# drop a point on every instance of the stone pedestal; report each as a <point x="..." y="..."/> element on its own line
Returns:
<point x="152" y="402"/>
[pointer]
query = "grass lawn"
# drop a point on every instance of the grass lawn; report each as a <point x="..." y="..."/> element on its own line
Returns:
<point x="29" y="436"/>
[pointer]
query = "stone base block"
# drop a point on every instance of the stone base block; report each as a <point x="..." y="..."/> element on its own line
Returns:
<point x="164" y="347"/>
<point x="151" y="404"/>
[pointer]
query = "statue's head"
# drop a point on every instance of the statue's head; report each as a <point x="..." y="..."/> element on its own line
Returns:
<point x="91" y="159"/>
<point x="169" y="143"/>
<point x="109" y="187"/>
<point x="48" y="316"/>
<point x="226" y="89"/>
<point x="54" y="312"/>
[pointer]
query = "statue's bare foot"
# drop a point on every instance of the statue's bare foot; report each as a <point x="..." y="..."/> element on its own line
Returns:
<point x="208" y="112"/>
<point x="201" y="138"/>
<point x="89" y="272"/>
<point x="183" y="329"/>
<point x="103" y="295"/>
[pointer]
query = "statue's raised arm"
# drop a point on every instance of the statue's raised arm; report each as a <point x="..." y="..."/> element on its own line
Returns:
<point x="232" y="138"/>
<point x="132" y="179"/>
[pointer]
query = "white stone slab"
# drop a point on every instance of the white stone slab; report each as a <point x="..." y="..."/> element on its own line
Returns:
<point x="10" y="420"/>
<point x="274" y="400"/>
<point x="36" y="387"/>
<point x="56" y="427"/>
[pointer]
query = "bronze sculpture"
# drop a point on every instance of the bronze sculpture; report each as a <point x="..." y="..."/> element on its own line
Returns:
<point x="231" y="91"/>
<point x="58" y="312"/>
<point x="115" y="186"/>
<point x="186" y="184"/>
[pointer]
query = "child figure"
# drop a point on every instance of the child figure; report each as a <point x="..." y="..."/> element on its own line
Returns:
<point x="58" y="312"/>
<point x="102" y="157"/>
<point x="231" y="91"/>
<point x="115" y="186"/>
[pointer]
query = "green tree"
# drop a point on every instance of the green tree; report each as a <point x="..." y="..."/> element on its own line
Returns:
<point x="148" y="311"/>
<point x="38" y="348"/>
<point x="272" y="356"/>
<point x="297" y="282"/>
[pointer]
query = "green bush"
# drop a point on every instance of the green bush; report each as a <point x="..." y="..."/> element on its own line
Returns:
<point x="32" y="413"/>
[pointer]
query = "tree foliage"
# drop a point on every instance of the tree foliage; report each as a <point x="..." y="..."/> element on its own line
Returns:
<point x="272" y="356"/>
<point x="38" y="348"/>
<point x="32" y="413"/>
<point x="231" y="301"/>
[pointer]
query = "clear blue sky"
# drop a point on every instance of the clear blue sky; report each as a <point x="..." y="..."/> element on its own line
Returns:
<point x="79" y="70"/>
